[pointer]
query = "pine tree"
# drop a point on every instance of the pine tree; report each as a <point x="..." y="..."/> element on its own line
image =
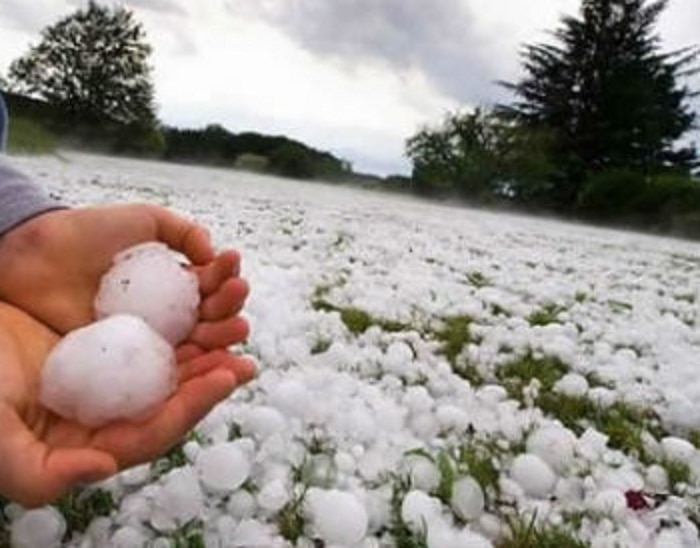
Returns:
<point x="607" y="93"/>
<point x="92" y="63"/>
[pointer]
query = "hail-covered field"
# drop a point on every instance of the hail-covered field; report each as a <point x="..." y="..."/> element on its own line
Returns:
<point x="428" y="376"/>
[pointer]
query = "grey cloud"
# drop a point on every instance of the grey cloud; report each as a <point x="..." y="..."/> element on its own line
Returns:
<point x="436" y="37"/>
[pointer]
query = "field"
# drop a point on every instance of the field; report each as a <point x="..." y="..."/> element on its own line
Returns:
<point x="430" y="376"/>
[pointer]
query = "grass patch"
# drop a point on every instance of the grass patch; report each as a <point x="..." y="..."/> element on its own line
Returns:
<point x="524" y="533"/>
<point x="477" y="279"/>
<point x="189" y="535"/>
<point x="454" y="335"/>
<point x="29" y="137"/>
<point x="290" y="520"/>
<point x="358" y="321"/>
<point x="519" y="373"/>
<point x="546" y="315"/>
<point x="401" y="534"/>
<point x="81" y="506"/>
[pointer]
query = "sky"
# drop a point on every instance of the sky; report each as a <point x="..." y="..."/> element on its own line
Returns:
<point x="354" y="77"/>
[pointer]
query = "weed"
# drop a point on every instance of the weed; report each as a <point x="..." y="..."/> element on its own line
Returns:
<point x="545" y="316"/>
<point x="402" y="535"/>
<point x="454" y="335"/>
<point x="189" y="535"/>
<point x="477" y="279"/>
<point x="81" y="506"/>
<point x="524" y="533"/>
<point x="519" y="373"/>
<point x="290" y="520"/>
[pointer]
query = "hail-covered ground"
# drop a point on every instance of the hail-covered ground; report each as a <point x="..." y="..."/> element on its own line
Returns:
<point x="429" y="376"/>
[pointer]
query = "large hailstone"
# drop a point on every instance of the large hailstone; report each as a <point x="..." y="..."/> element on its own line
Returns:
<point x="148" y="281"/>
<point x="116" y="368"/>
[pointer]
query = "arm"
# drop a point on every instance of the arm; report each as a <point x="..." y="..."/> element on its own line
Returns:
<point x="20" y="198"/>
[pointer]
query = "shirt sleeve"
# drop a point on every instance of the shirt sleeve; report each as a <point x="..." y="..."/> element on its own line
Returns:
<point x="20" y="198"/>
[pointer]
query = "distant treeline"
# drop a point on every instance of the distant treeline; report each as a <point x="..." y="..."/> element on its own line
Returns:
<point x="212" y="145"/>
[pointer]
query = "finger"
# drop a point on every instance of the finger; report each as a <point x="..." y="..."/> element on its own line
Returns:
<point x="200" y="365"/>
<point x="226" y="265"/>
<point x="187" y="352"/>
<point x="211" y="335"/>
<point x="34" y="474"/>
<point x="242" y="367"/>
<point x="182" y="235"/>
<point x="227" y="301"/>
<point x="133" y="444"/>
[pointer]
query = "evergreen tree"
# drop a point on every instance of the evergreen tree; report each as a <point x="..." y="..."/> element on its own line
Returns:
<point x="606" y="92"/>
<point x="92" y="63"/>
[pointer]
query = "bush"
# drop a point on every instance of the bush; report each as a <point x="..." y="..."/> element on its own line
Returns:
<point x="29" y="137"/>
<point x="612" y="195"/>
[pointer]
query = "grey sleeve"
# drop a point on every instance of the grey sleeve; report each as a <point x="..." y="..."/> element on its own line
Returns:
<point x="20" y="198"/>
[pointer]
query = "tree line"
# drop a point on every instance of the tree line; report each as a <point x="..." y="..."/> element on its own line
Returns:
<point x="594" y="129"/>
<point x="88" y="82"/>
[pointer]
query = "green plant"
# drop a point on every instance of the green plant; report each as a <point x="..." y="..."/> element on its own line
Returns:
<point x="81" y="506"/>
<point x="29" y="137"/>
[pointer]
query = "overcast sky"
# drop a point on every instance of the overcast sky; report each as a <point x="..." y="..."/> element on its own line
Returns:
<point x="355" y="77"/>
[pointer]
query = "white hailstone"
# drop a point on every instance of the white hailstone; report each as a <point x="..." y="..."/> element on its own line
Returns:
<point x="148" y="281"/>
<point x="273" y="496"/>
<point x="338" y="517"/>
<point x="678" y="449"/>
<point x="179" y="500"/>
<point x="669" y="538"/>
<point x="611" y="502"/>
<point x="263" y="421"/>
<point x="241" y="504"/>
<point x="117" y="368"/>
<point x="291" y="397"/>
<point x="657" y="478"/>
<point x="418" y="509"/>
<point x="128" y="537"/>
<point x="423" y="473"/>
<point x="136" y="475"/>
<point x="223" y="467"/>
<point x="572" y="384"/>
<point x="553" y="444"/>
<point x="467" y="498"/>
<point x="534" y="475"/>
<point x="41" y="528"/>
<point x="592" y="444"/>
<point x="250" y="533"/>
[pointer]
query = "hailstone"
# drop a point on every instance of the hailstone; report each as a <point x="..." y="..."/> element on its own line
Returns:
<point x="116" y="368"/>
<point x="148" y="281"/>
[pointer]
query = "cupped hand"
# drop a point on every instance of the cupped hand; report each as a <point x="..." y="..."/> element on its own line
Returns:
<point x="44" y="455"/>
<point x="52" y="265"/>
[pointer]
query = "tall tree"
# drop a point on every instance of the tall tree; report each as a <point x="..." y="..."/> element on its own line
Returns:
<point x="92" y="63"/>
<point x="607" y="93"/>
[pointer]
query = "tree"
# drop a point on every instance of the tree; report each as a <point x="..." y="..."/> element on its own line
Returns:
<point x="92" y="63"/>
<point x="479" y="155"/>
<point x="607" y="94"/>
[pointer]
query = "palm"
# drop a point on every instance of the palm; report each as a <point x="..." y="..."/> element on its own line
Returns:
<point x="43" y="455"/>
<point x="52" y="266"/>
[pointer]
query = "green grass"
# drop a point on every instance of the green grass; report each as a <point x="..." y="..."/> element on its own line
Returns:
<point x="546" y="315"/>
<point x="81" y="506"/>
<point x="519" y="373"/>
<point x="29" y="137"/>
<point x="358" y="321"/>
<point x="477" y="279"/>
<point x="401" y="534"/>
<point x="523" y="532"/>
<point x="453" y="335"/>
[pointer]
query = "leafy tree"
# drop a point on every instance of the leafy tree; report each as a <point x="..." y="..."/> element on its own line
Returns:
<point x="479" y="155"/>
<point x="607" y="94"/>
<point x="92" y="63"/>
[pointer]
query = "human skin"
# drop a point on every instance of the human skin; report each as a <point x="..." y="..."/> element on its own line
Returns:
<point x="44" y="455"/>
<point x="52" y="265"/>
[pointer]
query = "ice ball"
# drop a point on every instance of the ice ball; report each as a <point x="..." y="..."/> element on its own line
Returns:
<point x="41" y="528"/>
<point x="148" y="281"/>
<point x="116" y="368"/>
<point x="339" y="517"/>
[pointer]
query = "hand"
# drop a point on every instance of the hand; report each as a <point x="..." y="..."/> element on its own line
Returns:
<point x="52" y="265"/>
<point x="43" y="455"/>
